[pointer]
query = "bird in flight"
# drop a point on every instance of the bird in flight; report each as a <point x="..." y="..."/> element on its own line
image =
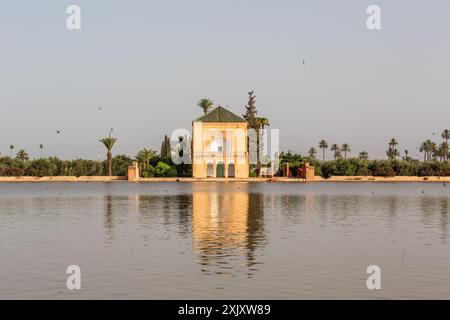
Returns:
<point x="99" y="108"/>
<point x="303" y="62"/>
<point x="58" y="131"/>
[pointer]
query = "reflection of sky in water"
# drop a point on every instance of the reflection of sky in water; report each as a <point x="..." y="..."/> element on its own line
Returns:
<point x="225" y="240"/>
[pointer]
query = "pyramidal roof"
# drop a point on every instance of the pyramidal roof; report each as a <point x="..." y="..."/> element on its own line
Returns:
<point x="220" y="114"/>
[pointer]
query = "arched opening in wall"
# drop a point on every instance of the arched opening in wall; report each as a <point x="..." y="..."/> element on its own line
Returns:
<point x="220" y="172"/>
<point x="210" y="170"/>
<point x="231" y="170"/>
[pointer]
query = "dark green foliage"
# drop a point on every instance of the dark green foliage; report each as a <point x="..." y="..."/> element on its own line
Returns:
<point x="382" y="168"/>
<point x="165" y="148"/>
<point x="51" y="167"/>
<point x="120" y="165"/>
<point x="164" y="170"/>
<point x="250" y="110"/>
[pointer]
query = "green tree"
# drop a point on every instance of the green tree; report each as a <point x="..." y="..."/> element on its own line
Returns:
<point x="109" y="142"/>
<point x="312" y="152"/>
<point x="250" y="114"/>
<point x="260" y="124"/>
<point x="165" y="148"/>
<point x="407" y="157"/>
<point x="323" y="145"/>
<point x="41" y="146"/>
<point x="392" y="151"/>
<point x="22" y="155"/>
<point x="337" y="151"/>
<point x="206" y="105"/>
<point x="143" y="158"/>
<point x="363" y="155"/>
<point x="446" y="136"/>
<point x="441" y="151"/>
<point x="11" y="147"/>
<point x="428" y="147"/>
<point x="164" y="170"/>
<point x="345" y="148"/>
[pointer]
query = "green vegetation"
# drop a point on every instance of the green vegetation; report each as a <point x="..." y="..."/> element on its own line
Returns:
<point x="363" y="167"/>
<point x="109" y="142"/>
<point x="206" y="105"/>
<point x="323" y="145"/>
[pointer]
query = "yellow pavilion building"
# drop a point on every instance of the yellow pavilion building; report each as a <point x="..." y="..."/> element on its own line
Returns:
<point x="219" y="145"/>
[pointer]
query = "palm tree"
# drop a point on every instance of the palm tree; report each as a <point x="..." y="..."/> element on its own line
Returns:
<point x="312" y="152"/>
<point x="392" y="151"/>
<point x="428" y="147"/>
<point x="337" y="151"/>
<point x="11" y="147"/>
<point x="260" y="124"/>
<point x="441" y="151"/>
<point x="143" y="158"/>
<point x="393" y="143"/>
<point x="323" y="145"/>
<point x="41" y="146"/>
<point x="205" y="104"/>
<point x="109" y="142"/>
<point x="423" y="148"/>
<point x="407" y="157"/>
<point x="363" y="155"/>
<point x="22" y="155"/>
<point x="446" y="136"/>
<point x="345" y="148"/>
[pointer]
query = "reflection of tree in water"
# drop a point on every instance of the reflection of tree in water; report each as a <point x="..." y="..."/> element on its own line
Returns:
<point x="227" y="228"/>
<point x="175" y="210"/>
<point x="432" y="206"/>
<point x="255" y="226"/>
<point x="443" y="209"/>
<point x="109" y="219"/>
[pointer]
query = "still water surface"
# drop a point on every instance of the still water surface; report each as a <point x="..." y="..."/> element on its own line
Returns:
<point x="224" y="240"/>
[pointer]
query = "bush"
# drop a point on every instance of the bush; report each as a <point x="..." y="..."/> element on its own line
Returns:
<point x="42" y="167"/>
<point x="164" y="170"/>
<point x="120" y="165"/>
<point x="381" y="168"/>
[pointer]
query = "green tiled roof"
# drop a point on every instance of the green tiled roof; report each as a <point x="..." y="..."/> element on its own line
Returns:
<point x="220" y="114"/>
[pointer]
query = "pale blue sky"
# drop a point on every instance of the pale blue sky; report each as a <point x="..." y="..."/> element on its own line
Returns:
<point x="148" y="62"/>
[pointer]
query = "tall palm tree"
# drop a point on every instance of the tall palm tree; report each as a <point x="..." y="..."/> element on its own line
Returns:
<point x="337" y="150"/>
<point x="393" y="142"/>
<point x="312" y="152"/>
<point x="323" y="145"/>
<point x="424" y="148"/>
<point x="260" y="124"/>
<point x="363" y="155"/>
<point x="345" y="148"/>
<point x="22" y="155"/>
<point x="206" y="105"/>
<point x="428" y="147"/>
<point x="446" y="136"/>
<point x="392" y="151"/>
<point x="407" y="157"/>
<point x="41" y="146"/>
<point x="441" y="151"/>
<point x="11" y="147"/>
<point x="143" y="157"/>
<point x="109" y="142"/>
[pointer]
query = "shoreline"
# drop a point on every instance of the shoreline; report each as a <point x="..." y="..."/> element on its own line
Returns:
<point x="68" y="179"/>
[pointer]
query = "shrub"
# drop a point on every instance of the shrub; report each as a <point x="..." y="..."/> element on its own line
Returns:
<point x="42" y="167"/>
<point x="162" y="169"/>
<point x="381" y="168"/>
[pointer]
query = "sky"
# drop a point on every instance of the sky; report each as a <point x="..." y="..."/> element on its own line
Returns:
<point x="147" y="63"/>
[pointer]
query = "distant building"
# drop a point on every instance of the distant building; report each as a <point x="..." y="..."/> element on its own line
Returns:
<point x="219" y="145"/>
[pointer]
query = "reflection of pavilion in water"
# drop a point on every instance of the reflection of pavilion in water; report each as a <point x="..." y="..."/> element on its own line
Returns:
<point x="227" y="228"/>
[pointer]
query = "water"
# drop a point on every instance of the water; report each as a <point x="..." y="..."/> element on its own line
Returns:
<point x="224" y="240"/>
